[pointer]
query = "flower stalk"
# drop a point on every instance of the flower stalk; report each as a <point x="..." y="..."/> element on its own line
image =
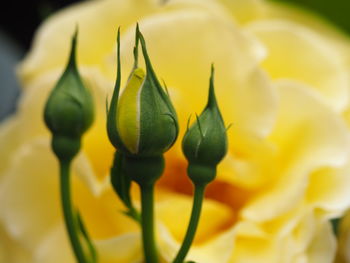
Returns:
<point x="147" y="208"/>
<point x="204" y="145"/>
<point x="68" y="114"/>
<point x="193" y="224"/>
<point x="68" y="212"/>
<point x="142" y="126"/>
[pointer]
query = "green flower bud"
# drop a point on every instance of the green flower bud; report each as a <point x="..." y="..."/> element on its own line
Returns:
<point x="142" y="121"/>
<point x="69" y="109"/>
<point x="205" y="142"/>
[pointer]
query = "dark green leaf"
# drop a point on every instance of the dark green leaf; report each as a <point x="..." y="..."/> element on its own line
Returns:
<point x="121" y="185"/>
<point x="82" y="230"/>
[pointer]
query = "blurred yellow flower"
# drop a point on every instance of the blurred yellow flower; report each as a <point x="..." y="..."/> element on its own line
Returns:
<point x="282" y="80"/>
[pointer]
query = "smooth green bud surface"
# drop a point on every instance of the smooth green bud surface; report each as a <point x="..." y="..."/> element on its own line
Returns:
<point x="201" y="174"/>
<point x="69" y="108"/>
<point x="142" y="121"/>
<point x="144" y="170"/>
<point x="205" y="142"/>
<point x="64" y="147"/>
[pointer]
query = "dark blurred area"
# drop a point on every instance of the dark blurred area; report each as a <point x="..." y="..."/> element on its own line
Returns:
<point x="20" y="19"/>
<point x="18" y="22"/>
<point x="336" y="11"/>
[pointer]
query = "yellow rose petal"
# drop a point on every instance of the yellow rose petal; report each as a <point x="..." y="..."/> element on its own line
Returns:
<point x="334" y="35"/>
<point x="11" y="250"/>
<point x="47" y="251"/>
<point x="173" y="210"/>
<point x="122" y="249"/>
<point x="247" y="10"/>
<point x="329" y="189"/>
<point x="103" y="214"/>
<point x="209" y="6"/>
<point x="298" y="53"/>
<point x="248" y="162"/>
<point x="219" y="249"/>
<point x="278" y="10"/>
<point x="265" y="251"/>
<point x="322" y="248"/>
<point x="8" y="141"/>
<point x="96" y="36"/>
<point x="309" y="136"/>
<point x="95" y="141"/>
<point x="29" y="194"/>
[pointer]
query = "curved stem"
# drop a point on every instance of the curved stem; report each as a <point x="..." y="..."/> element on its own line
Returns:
<point x="147" y="216"/>
<point x="192" y="227"/>
<point x="68" y="212"/>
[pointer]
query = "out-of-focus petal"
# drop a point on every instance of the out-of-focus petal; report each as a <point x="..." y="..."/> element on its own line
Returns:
<point x="47" y="251"/>
<point x="328" y="190"/>
<point x="323" y="246"/>
<point x="309" y="136"/>
<point x="8" y="141"/>
<point x="300" y="54"/>
<point x="218" y="249"/>
<point x="124" y="249"/>
<point x="172" y="207"/>
<point x="29" y="194"/>
<point x="247" y="10"/>
<point x="11" y="250"/>
<point x="96" y="36"/>
<point x="311" y="20"/>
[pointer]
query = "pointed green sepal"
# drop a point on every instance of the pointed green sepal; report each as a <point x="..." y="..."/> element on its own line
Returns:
<point x="152" y="74"/>
<point x="112" y="111"/>
<point x="121" y="184"/>
<point x="93" y="256"/>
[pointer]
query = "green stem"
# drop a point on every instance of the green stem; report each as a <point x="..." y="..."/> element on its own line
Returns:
<point x="147" y="216"/>
<point x="68" y="212"/>
<point x="192" y="227"/>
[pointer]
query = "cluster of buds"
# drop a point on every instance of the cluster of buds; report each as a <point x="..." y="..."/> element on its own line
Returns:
<point x="142" y="125"/>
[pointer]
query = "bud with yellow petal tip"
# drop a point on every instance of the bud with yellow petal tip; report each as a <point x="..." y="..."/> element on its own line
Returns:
<point x="142" y="120"/>
<point x="142" y="126"/>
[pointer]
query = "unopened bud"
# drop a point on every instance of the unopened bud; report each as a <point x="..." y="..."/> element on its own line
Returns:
<point x="205" y="142"/>
<point x="69" y="109"/>
<point x="142" y="121"/>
